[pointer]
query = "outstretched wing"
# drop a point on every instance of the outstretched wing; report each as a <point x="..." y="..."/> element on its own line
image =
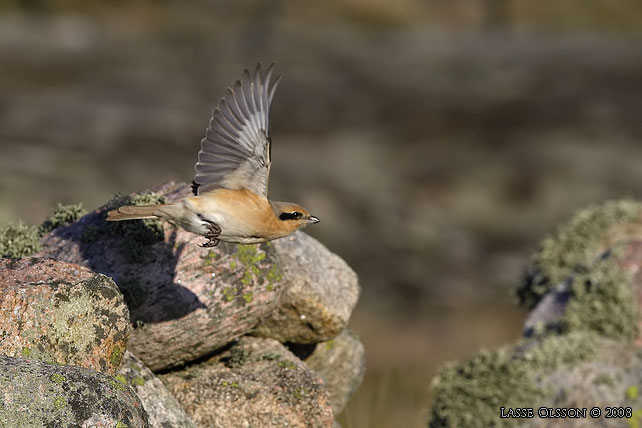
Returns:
<point x="235" y="152"/>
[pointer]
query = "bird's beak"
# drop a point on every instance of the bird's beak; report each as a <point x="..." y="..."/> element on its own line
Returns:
<point x="313" y="219"/>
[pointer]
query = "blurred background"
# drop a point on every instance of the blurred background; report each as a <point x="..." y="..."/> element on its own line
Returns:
<point x="437" y="140"/>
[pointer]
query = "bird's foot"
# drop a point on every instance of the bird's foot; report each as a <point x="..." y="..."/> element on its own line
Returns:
<point x="212" y="234"/>
<point x="209" y="244"/>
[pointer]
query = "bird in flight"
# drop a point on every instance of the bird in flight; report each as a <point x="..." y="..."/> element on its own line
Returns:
<point x="230" y="200"/>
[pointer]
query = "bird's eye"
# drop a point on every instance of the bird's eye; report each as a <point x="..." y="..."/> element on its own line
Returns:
<point x="291" y="216"/>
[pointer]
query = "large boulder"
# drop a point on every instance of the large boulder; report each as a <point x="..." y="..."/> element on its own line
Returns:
<point x="578" y="370"/>
<point x="61" y="313"/>
<point x="254" y="383"/>
<point x="185" y="301"/>
<point x="322" y="291"/>
<point x="37" y="394"/>
<point x="581" y="340"/>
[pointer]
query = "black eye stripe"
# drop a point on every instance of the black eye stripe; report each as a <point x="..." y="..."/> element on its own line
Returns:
<point x="291" y="216"/>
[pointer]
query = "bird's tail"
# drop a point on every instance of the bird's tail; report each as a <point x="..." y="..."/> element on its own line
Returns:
<point x="133" y="212"/>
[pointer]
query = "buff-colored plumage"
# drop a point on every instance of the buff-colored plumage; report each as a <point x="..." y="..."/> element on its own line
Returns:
<point x="232" y="174"/>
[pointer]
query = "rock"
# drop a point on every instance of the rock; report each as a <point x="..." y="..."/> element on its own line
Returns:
<point x="322" y="292"/>
<point x="37" y="394"/>
<point x="579" y="350"/>
<point x="600" y="252"/>
<point x="340" y="363"/>
<point x="185" y="301"/>
<point x="576" y="370"/>
<point x="161" y="407"/>
<point x="578" y="245"/>
<point x="61" y="313"/>
<point x="255" y="382"/>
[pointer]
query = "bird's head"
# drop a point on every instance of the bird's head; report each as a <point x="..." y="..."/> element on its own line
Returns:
<point x="291" y="216"/>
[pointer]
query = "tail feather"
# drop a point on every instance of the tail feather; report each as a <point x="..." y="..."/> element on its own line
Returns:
<point x="133" y="212"/>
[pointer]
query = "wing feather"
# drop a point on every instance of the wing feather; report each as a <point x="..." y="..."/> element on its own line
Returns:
<point x="235" y="152"/>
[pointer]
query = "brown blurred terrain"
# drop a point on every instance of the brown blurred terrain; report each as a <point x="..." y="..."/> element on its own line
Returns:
<point x="437" y="141"/>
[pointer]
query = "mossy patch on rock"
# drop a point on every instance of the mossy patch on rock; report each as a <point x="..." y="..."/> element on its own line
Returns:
<point x="48" y="395"/>
<point x="62" y="214"/>
<point x="61" y="313"/>
<point x="577" y="246"/>
<point x="257" y="381"/>
<point x="136" y="235"/>
<point x="19" y="240"/>
<point x="602" y="301"/>
<point x="470" y="393"/>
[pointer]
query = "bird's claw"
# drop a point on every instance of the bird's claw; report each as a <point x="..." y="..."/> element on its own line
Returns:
<point x="210" y="243"/>
<point x="212" y="234"/>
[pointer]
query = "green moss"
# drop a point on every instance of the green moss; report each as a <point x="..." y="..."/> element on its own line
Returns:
<point x="121" y="425"/>
<point x="120" y="378"/>
<point x="209" y="258"/>
<point x="139" y="381"/>
<point x="576" y="246"/>
<point x="248" y="297"/>
<point x="136" y="235"/>
<point x="60" y="402"/>
<point x="229" y="293"/>
<point x="329" y="344"/>
<point x="62" y="214"/>
<point x="632" y="392"/>
<point x="19" y="240"/>
<point x="602" y="301"/>
<point x="273" y="275"/>
<point x="249" y="257"/>
<point x="118" y="383"/>
<point x="247" y="277"/>
<point x="634" y="420"/>
<point x="26" y="352"/>
<point x="116" y="356"/>
<point x="57" y="378"/>
<point x="286" y="364"/>
<point x="469" y="394"/>
<point x="248" y="254"/>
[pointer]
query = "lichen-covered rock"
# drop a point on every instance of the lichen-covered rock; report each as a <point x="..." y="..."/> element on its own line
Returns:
<point x="161" y="407"/>
<point x="340" y="362"/>
<point x="600" y="251"/>
<point x="578" y="370"/>
<point x="577" y="246"/>
<point x="579" y="351"/>
<point x="61" y="313"/>
<point x="20" y="240"/>
<point x="322" y="292"/>
<point x="36" y="394"/>
<point x="254" y="383"/>
<point x="185" y="301"/>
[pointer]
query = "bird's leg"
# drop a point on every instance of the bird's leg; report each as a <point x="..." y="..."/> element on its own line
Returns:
<point x="212" y="234"/>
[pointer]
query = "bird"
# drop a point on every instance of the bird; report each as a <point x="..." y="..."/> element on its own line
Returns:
<point x="230" y="188"/>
